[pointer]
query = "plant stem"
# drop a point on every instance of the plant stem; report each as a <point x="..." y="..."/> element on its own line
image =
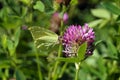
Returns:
<point x="63" y="69"/>
<point x="54" y="75"/>
<point x="38" y="66"/>
<point x="77" y="65"/>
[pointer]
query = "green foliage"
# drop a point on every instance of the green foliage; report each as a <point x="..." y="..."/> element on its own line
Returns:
<point x="39" y="6"/>
<point x="20" y="75"/>
<point x="101" y="13"/>
<point x="71" y="60"/>
<point x="112" y="8"/>
<point x="20" y="59"/>
<point x="82" y="51"/>
<point x="81" y="55"/>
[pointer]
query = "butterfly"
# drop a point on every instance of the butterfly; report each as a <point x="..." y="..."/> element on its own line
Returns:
<point x="43" y="38"/>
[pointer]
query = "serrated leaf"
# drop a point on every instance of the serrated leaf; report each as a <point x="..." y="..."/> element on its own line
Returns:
<point x="112" y="8"/>
<point x="82" y="51"/>
<point x="43" y="37"/>
<point x="39" y="6"/>
<point x="70" y="60"/>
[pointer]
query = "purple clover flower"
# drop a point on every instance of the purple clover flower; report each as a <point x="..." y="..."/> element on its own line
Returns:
<point x="56" y="14"/>
<point x="75" y="36"/>
<point x="65" y="17"/>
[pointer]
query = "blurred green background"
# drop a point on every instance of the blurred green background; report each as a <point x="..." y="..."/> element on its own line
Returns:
<point x="19" y="58"/>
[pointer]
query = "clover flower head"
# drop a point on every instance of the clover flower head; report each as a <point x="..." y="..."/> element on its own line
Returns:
<point x="76" y="35"/>
<point x="65" y="17"/>
<point x="57" y="16"/>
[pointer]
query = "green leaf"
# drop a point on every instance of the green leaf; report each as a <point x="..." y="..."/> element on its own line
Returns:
<point x="63" y="69"/>
<point x="4" y="41"/>
<point x="81" y="55"/>
<point x="118" y="18"/>
<point x="39" y="6"/>
<point x="82" y="51"/>
<point x="103" y="23"/>
<point x="43" y="37"/>
<point x="112" y="8"/>
<point x="48" y="6"/>
<point x="11" y="47"/>
<point x="70" y="60"/>
<point x="20" y="75"/>
<point x="73" y="2"/>
<point x="26" y="1"/>
<point x="98" y="42"/>
<point x="12" y="22"/>
<point x="17" y="36"/>
<point x="95" y="23"/>
<point x="101" y="13"/>
<point x="112" y="49"/>
<point x="24" y="11"/>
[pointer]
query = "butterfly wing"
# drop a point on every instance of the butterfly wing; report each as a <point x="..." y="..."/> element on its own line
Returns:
<point x="43" y="37"/>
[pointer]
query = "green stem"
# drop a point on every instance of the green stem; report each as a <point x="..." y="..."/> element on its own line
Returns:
<point x="54" y="75"/>
<point x="77" y="65"/>
<point x="49" y="73"/>
<point x="63" y="69"/>
<point x="38" y="66"/>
